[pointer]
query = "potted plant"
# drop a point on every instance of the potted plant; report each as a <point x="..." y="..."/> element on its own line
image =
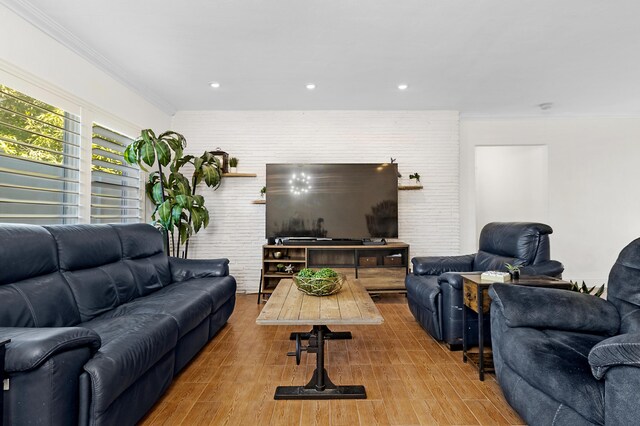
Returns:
<point x="233" y="165"/>
<point x="415" y="176"/>
<point x="594" y="291"/>
<point x="263" y="191"/>
<point x="280" y="267"/>
<point x="514" y="271"/>
<point x="179" y="211"/>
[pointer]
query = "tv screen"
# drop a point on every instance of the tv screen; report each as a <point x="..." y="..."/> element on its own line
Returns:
<point x="339" y="201"/>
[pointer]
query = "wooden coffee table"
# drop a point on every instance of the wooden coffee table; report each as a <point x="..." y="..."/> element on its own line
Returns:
<point x="289" y="306"/>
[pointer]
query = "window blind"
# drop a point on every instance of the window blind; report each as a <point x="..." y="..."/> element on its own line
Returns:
<point x="39" y="161"/>
<point x="115" y="185"/>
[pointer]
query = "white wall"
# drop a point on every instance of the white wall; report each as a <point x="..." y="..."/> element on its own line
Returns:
<point x="593" y="177"/>
<point x="426" y="142"/>
<point x="33" y="62"/>
<point x="526" y="197"/>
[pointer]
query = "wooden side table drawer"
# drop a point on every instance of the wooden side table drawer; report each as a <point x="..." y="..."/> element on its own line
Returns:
<point x="470" y="297"/>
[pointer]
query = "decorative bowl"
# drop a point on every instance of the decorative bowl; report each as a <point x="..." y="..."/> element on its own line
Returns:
<point x="317" y="286"/>
<point x="277" y="254"/>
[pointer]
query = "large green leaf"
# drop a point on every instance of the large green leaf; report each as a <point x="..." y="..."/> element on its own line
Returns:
<point x="211" y="175"/>
<point x="199" y="199"/>
<point x="205" y="221"/>
<point x="184" y="201"/>
<point x="176" y="213"/>
<point x="164" y="153"/>
<point x="147" y="153"/>
<point x="164" y="211"/>
<point x="197" y="218"/>
<point x="197" y="163"/>
<point x="157" y="193"/>
<point x="129" y="154"/>
<point x="185" y="232"/>
<point x="182" y="161"/>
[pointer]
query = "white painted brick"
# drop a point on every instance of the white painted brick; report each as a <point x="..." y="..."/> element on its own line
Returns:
<point x="422" y="141"/>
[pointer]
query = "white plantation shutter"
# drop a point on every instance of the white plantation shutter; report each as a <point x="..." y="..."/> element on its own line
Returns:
<point x="115" y="185"/>
<point x="39" y="161"/>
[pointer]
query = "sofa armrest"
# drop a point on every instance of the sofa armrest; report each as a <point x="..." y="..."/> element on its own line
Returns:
<point x="620" y="350"/>
<point x="186" y="269"/>
<point x="436" y="265"/>
<point x="550" y="308"/>
<point x="30" y="347"/>
<point x="550" y="268"/>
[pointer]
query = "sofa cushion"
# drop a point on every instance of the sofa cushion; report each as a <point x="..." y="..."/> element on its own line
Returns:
<point x="85" y="246"/>
<point x="188" y="306"/>
<point x="44" y="301"/>
<point x="98" y="290"/>
<point x="556" y="363"/>
<point x="143" y="241"/>
<point x="131" y="345"/>
<point x="219" y="289"/>
<point x="26" y="242"/>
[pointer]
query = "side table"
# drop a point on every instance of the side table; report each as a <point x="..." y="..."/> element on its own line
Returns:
<point x="475" y="295"/>
<point x="2" y="353"/>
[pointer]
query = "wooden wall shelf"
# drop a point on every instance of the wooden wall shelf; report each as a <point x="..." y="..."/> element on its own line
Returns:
<point x="259" y="202"/>
<point x="409" y="187"/>
<point x="239" y="175"/>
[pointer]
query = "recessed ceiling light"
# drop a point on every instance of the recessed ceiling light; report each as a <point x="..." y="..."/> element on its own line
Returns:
<point x="214" y="84"/>
<point x="310" y="86"/>
<point x="403" y="86"/>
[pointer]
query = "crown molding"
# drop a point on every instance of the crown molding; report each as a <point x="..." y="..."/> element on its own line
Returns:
<point x="53" y="29"/>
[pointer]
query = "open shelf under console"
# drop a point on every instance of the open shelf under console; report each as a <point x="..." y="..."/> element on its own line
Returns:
<point x="380" y="268"/>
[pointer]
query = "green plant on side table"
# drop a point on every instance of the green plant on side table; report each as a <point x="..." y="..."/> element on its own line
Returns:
<point x="594" y="291"/>
<point x="514" y="270"/>
<point x="178" y="209"/>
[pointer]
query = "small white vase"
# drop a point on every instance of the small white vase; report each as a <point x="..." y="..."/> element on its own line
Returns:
<point x="233" y="170"/>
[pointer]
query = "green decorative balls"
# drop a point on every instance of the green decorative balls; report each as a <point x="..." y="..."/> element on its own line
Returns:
<point x="324" y="282"/>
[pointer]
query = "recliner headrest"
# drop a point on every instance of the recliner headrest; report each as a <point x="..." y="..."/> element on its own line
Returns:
<point x="513" y="239"/>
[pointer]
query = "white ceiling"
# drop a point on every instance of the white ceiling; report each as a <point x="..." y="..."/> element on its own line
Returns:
<point x="480" y="57"/>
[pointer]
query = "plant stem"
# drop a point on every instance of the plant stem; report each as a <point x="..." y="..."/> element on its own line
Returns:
<point x="166" y="234"/>
<point x="193" y="192"/>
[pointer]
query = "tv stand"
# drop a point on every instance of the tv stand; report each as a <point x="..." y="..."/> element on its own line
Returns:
<point x="380" y="268"/>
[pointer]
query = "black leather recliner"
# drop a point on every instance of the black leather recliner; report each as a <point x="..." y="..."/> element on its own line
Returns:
<point x="434" y="290"/>
<point x="566" y="358"/>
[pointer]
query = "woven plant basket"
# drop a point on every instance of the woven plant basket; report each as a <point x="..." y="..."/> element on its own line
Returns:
<point x="319" y="286"/>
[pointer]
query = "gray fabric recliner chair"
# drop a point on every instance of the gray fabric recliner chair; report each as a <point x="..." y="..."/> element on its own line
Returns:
<point x="434" y="290"/>
<point x="567" y="358"/>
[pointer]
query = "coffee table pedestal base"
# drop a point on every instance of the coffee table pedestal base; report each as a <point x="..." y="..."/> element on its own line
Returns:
<point x="302" y="392"/>
<point x="320" y="386"/>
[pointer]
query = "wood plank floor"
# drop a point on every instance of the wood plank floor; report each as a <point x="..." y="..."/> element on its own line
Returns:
<point x="410" y="379"/>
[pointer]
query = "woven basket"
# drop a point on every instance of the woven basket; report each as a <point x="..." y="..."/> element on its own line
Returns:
<point x="319" y="286"/>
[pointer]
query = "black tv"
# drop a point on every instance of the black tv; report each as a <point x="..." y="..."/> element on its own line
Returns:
<point x="337" y="201"/>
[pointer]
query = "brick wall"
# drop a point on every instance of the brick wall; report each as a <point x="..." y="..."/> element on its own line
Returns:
<point x="422" y="141"/>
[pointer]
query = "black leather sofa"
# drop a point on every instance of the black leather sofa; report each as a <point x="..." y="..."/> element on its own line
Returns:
<point x="565" y="358"/>
<point x="100" y="320"/>
<point x="434" y="289"/>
